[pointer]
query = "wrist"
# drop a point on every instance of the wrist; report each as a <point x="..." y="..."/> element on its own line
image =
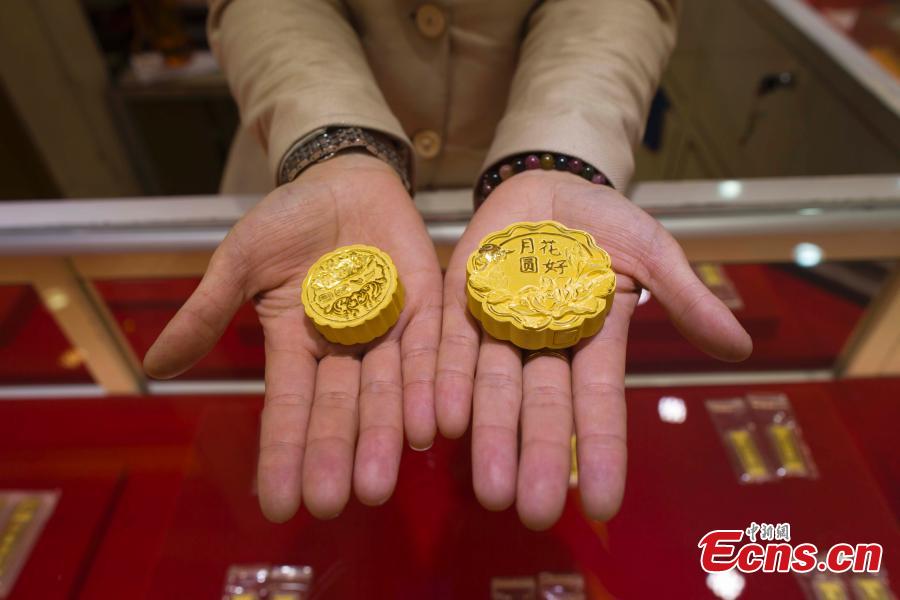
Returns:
<point x="536" y="162"/>
<point x="353" y="181"/>
<point x="344" y="164"/>
<point x="325" y="144"/>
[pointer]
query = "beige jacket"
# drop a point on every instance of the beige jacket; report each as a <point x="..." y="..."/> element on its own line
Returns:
<point x="465" y="82"/>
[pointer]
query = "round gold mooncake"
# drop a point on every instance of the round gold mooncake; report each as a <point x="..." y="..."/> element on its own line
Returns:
<point x="540" y="285"/>
<point x="353" y="294"/>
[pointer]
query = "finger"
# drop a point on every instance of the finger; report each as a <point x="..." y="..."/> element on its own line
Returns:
<point x="700" y="317"/>
<point x="380" y="424"/>
<point x="598" y="379"/>
<point x="546" y="441"/>
<point x="419" y="347"/>
<point x="495" y="423"/>
<point x="457" y="356"/>
<point x="199" y="324"/>
<point x="328" y="464"/>
<point x="290" y="384"/>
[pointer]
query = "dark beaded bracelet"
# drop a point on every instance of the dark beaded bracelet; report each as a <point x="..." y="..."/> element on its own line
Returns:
<point x="531" y="161"/>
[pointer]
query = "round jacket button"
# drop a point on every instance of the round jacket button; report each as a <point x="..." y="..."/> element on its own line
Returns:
<point x="430" y="20"/>
<point x="427" y="143"/>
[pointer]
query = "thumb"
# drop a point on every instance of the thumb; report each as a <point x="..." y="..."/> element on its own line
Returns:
<point x="199" y="323"/>
<point x="697" y="314"/>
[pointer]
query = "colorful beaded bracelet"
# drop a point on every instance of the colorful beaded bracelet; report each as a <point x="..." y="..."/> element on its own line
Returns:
<point x="531" y="161"/>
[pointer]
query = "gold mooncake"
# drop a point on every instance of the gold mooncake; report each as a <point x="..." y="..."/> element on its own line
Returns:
<point x="540" y="285"/>
<point x="353" y="294"/>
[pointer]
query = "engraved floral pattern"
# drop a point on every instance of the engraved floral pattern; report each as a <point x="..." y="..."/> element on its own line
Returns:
<point x="349" y="285"/>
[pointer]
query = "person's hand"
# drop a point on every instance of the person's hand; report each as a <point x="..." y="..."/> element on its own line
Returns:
<point x="545" y="396"/>
<point x="325" y="403"/>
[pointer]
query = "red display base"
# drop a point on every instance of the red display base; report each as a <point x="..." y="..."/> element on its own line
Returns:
<point x="157" y="501"/>
<point x="795" y="324"/>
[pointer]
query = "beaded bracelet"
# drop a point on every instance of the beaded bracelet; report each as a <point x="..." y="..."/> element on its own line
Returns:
<point x="531" y="161"/>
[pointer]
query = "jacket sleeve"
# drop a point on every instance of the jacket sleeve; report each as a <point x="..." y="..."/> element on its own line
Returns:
<point x="587" y="72"/>
<point x="295" y="66"/>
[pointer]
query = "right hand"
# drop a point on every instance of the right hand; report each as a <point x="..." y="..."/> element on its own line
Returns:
<point x="332" y="413"/>
<point x="523" y="415"/>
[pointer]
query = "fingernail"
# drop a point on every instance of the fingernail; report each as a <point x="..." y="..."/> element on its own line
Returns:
<point x="424" y="449"/>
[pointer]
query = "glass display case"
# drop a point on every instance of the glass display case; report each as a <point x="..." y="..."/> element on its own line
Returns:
<point x="772" y="156"/>
<point x="154" y="481"/>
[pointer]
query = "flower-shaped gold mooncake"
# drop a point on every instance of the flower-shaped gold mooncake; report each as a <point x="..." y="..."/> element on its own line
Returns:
<point x="353" y="294"/>
<point x="540" y="285"/>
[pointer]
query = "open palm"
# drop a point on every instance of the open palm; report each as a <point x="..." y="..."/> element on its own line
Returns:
<point x="333" y="414"/>
<point x="546" y="395"/>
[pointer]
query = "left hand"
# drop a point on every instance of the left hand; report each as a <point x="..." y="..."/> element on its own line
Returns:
<point x="334" y="415"/>
<point x="547" y="394"/>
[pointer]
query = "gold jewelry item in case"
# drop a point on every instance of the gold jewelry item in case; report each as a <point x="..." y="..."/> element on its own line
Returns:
<point x="353" y="294"/>
<point x="540" y="285"/>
